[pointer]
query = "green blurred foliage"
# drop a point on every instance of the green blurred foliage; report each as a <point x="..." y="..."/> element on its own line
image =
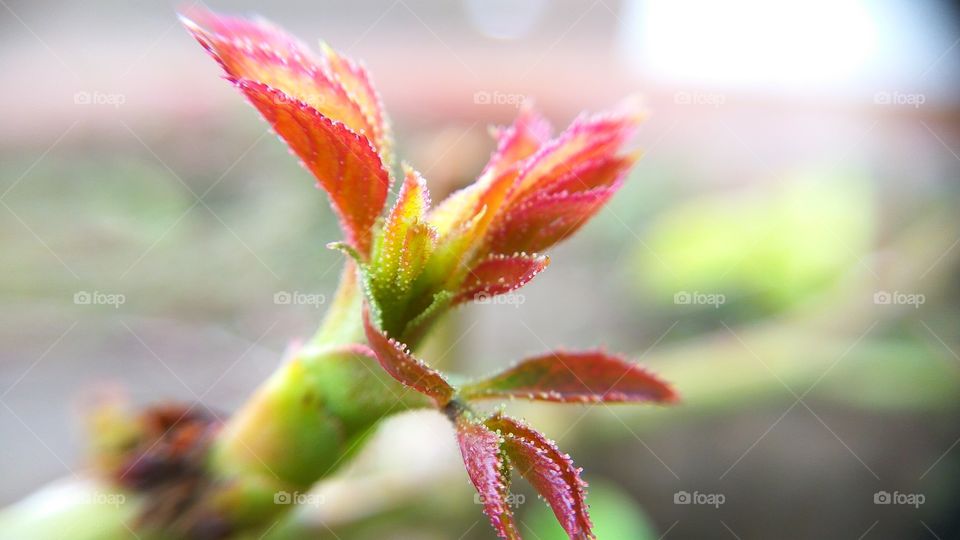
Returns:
<point x="770" y="247"/>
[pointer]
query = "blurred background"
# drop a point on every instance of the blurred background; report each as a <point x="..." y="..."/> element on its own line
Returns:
<point x="785" y="253"/>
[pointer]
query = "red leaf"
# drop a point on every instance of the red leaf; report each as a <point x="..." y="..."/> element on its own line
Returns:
<point x="404" y="367"/>
<point x="247" y="34"/>
<point x="551" y="472"/>
<point x="355" y="79"/>
<point x="564" y="183"/>
<point x="541" y="222"/>
<point x="514" y="143"/>
<point x="591" y="376"/>
<point x="345" y="164"/>
<point x="533" y="194"/>
<point x="260" y="51"/>
<point x="596" y="173"/>
<point x="319" y="106"/>
<point x="499" y="274"/>
<point x="487" y="468"/>
<point x="587" y="138"/>
<point x="519" y="141"/>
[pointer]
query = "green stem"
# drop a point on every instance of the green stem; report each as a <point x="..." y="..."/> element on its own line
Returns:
<point x="307" y="418"/>
<point x="300" y="426"/>
<point x="342" y="324"/>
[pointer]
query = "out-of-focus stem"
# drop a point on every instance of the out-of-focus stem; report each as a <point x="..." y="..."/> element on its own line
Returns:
<point x="80" y="508"/>
<point x="307" y="418"/>
<point x="342" y="323"/>
<point x="305" y="421"/>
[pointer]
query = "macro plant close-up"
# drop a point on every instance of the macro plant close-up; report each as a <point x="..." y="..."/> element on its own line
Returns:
<point x="546" y="270"/>
<point x="198" y="476"/>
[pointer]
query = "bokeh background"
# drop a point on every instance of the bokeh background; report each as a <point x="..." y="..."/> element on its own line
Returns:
<point x="786" y="252"/>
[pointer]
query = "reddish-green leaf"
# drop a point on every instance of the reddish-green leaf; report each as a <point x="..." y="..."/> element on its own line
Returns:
<point x="488" y="470"/>
<point x="232" y="39"/>
<point x="591" y="376"/>
<point x="518" y="141"/>
<point x="398" y="361"/>
<point x="260" y="51"/>
<point x="327" y="122"/>
<point x="564" y="183"/>
<point x="533" y="192"/>
<point x="475" y="204"/>
<point x="586" y="139"/>
<point x="542" y="221"/>
<point x="514" y="143"/>
<point x="551" y="472"/>
<point x="345" y="164"/>
<point x="499" y="274"/>
<point x="462" y="221"/>
<point x="356" y="81"/>
<point x="596" y="173"/>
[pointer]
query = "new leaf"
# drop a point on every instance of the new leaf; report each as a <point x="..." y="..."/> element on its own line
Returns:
<point x="587" y="377"/>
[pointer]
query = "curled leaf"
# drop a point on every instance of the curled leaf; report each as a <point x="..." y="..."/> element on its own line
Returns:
<point x="590" y="376"/>
<point x="517" y="142"/>
<point x="405" y="245"/>
<point x="596" y="173"/>
<point x="400" y="254"/>
<point x="533" y="192"/>
<point x="461" y="211"/>
<point x="400" y="363"/>
<point x="551" y="472"/>
<point x="462" y="222"/>
<point x="514" y="143"/>
<point x="488" y="470"/>
<point x="546" y="219"/>
<point x="564" y="183"/>
<point x="586" y="139"/>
